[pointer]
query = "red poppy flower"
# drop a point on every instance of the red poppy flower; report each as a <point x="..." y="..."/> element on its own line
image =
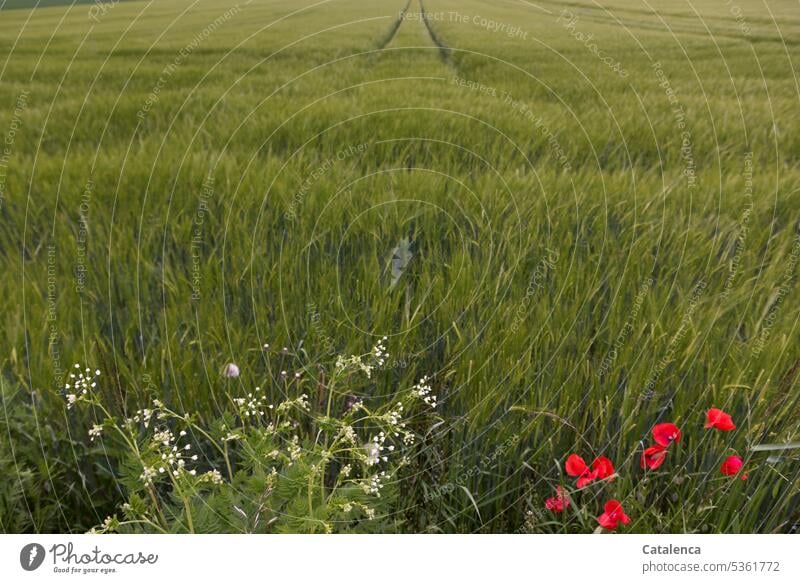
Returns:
<point x="576" y="467"/>
<point x="559" y="502"/>
<point x="613" y="515"/>
<point x="601" y="468"/>
<point x="732" y="466"/>
<point x="719" y="419"/>
<point x="666" y="433"/>
<point x="653" y="457"/>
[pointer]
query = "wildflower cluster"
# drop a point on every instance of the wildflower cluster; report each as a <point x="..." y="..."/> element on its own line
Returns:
<point x="144" y="416"/>
<point x="374" y="484"/>
<point x="719" y="419"/>
<point x="95" y="432"/>
<point x="423" y="390"/>
<point x="171" y="456"/>
<point x="149" y="440"/>
<point x="292" y="465"/>
<point x="252" y="405"/>
<point x="365" y="363"/>
<point x="81" y="386"/>
<point x="652" y="458"/>
<point x="602" y="469"/>
<point x="301" y="403"/>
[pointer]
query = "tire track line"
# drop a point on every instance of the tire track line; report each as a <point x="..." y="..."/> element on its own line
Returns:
<point x="389" y="37"/>
<point x="444" y="50"/>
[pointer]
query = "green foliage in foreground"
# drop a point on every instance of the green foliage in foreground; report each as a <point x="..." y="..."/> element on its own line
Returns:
<point x="187" y="183"/>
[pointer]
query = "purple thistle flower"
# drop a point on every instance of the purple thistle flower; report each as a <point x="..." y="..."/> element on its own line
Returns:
<point x="231" y="371"/>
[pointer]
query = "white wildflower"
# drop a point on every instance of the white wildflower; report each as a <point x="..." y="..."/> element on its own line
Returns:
<point x="95" y="431"/>
<point x="423" y="390"/>
<point x="213" y="476"/>
<point x="373" y="452"/>
<point x="81" y="386"/>
<point x="148" y="474"/>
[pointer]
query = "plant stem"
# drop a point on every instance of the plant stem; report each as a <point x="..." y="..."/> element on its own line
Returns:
<point x="188" y="513"/>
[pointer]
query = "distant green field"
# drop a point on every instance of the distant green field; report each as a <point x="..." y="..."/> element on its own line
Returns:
<point x="579" y="220"/>
<point x="38" y="4"/>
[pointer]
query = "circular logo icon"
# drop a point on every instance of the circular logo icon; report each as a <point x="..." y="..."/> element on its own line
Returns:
<point x="31" y="556"/>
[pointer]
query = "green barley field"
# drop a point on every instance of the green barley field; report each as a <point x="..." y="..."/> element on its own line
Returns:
<point x="569" y="222"/>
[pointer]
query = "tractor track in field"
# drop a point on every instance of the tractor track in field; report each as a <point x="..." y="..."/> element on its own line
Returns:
<point x="444" y="50"/>
<point x="394" y="28"/>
